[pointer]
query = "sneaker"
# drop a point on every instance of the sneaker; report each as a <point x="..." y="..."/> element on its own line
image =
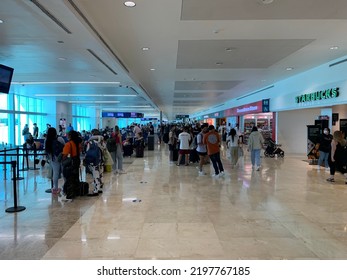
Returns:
<point x="202" y="173"/>
<point x="215" y="175"/>
<point x="65" y="199"/>
<point x="221" y="173"/>
<point x="257" y="169"/>
<point x="331" y="180"/>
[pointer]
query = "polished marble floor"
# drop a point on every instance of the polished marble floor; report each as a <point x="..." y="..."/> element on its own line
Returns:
<point x="157" y="210"/>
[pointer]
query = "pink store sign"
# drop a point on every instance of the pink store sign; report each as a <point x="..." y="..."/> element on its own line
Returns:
<point x="252" y="108"/>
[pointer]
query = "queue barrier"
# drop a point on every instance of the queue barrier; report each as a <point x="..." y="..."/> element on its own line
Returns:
<point x="15" y="207"/>
<point x="24" y="153"/>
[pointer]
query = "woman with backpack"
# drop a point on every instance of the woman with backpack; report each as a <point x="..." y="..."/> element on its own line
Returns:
<point x="54" y="147"/>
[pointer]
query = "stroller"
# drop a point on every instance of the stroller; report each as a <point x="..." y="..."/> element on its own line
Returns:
<point x="273" y="149"/>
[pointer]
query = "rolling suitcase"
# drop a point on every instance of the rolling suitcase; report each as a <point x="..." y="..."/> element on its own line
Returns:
<point x="139" y="151"/>
<point x="82" y="188"/>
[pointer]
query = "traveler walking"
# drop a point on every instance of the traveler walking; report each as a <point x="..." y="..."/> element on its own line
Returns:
<point x="213" y="141"/>
<point x="255" y="144"/>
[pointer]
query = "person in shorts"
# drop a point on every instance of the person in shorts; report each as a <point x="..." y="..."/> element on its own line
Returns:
<point x="184" y="139"/>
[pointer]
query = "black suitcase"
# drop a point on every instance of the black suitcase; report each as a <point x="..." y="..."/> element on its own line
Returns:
<point x="194" y="156"/>
<point x="127" y="150"/>
<point x="70" y="186"/>
<point x="139" y="151"/>
<point x="83" y="189"/>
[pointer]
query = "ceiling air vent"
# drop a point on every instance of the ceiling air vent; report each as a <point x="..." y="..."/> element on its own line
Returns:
<point x="337" y="63"/>
<point x="52" y="17"/>
<point x="103" y="62"/>
<point x="134" y="90"/>
<point x="97" y="33"/>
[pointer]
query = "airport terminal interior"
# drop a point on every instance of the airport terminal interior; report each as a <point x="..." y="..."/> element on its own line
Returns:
<point x="81" y="65"/>
<point x="157" y="210"/>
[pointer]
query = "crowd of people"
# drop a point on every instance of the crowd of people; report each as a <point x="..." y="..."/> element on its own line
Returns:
<point x="67" y="149"/>
<point x="193" y="143"/>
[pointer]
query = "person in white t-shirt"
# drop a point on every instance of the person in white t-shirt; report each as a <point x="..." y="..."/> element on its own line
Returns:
<point x="184" y="139"/>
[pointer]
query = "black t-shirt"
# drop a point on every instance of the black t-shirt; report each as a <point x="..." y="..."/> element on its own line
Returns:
<point x="325" y="143"/>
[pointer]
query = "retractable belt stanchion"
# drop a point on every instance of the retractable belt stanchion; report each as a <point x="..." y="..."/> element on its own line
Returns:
<point x="24" y="156"/>
<point x="15" y="208"/>
<point x="17" y="176"/>
<point x="5" y="169"/>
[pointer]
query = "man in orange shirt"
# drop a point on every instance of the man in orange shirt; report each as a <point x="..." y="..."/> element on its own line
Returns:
<point x="212" y="141"/>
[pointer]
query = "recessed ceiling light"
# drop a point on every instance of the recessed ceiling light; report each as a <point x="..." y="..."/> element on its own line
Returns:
<point x="265" y="2"/>
<point x="152" y="69"/>
<point x="289" y="68"/>
<point x="145" y="49"/>
<point x="129" y="4"/>
<point x="1" y="21"/>
<point x="61" y="58"/>
<point x="334" y="48"/>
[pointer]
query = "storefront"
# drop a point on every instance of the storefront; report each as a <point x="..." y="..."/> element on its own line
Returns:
<point x="253" y="114"/>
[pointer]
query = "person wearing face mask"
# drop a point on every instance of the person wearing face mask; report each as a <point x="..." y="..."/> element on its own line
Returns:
<point x="324" y="148"/>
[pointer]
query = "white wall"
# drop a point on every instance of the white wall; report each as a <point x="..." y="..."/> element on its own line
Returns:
<point x="292" y="129"/>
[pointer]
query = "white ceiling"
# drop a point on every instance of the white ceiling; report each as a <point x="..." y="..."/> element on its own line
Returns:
<point x="204" y="52"/>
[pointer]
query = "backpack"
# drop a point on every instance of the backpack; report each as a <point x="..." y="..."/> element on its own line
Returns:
<point x="94" y="154"/>
<point x="111" y="144"/>
<point x="57" y="148"/>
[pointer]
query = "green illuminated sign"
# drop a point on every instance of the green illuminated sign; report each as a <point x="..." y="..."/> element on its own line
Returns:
<point x="318" y="95"/>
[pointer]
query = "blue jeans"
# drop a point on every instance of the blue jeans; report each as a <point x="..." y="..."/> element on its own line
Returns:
<point x="56" y="168"/>
<point x="323" y="156"/>
<point x="117" y="158"/>
<point x="255" y="157"/>
<point x="217" y="163"/>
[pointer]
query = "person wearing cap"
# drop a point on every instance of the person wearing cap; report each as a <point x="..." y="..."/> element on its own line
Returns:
<point x="212" y="140"/>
